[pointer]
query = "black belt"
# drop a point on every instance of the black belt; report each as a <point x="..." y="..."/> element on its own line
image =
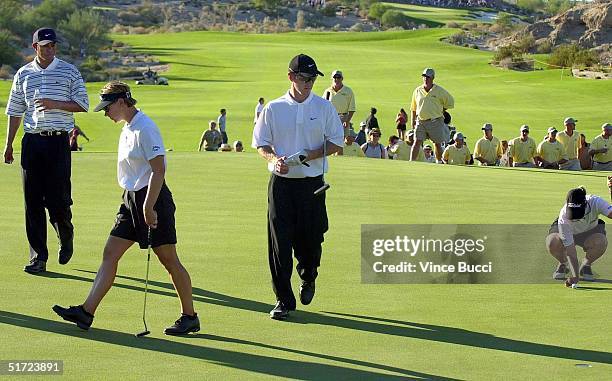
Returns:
<point x="50" y="133"/>
<point x="601" y="162"/>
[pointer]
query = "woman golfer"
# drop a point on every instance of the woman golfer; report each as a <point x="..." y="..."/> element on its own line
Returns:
<point x="147" y="207"/>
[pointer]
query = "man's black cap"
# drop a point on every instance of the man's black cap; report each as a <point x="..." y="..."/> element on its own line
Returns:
<point x="43" y="36"/>
<point x="576" y="203"/>
<point x="303" y="64"/>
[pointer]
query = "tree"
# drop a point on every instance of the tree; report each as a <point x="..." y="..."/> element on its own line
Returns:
<point x="377" y="10"/>
<point x="85" y="32"/>
<point x="50" y="13"/>
<point x="9" y="50"/>
<point x="392" y="18"/>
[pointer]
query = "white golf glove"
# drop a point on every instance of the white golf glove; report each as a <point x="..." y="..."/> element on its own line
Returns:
<point x="297" y="158"/>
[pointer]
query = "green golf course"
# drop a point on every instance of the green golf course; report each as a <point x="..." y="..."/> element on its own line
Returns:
<point x="351" y="330"/>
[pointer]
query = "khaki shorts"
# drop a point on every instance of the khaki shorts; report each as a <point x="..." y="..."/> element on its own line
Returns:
<point x="602" y="166"/>
<point x="432" y="129"/>
<point x="571" y="165"/>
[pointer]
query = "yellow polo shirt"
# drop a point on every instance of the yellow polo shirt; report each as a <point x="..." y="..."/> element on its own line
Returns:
<point x="430" y="105"/>
<point x="352" y="150"/>
<point x="522" y="152"/>
<point x="490" y="150"/>
<point x="598" y="143"/>
<point x="402" y="151"/>
<point x="551" y="152"/>
<point x="570" y="143"/>
<point x="456" y="156"/>
<point x="343" y="100"/>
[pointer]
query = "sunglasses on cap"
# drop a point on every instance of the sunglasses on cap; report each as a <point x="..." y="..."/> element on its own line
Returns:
<point x="305" y="78"/>
<point x="337" y="76"/>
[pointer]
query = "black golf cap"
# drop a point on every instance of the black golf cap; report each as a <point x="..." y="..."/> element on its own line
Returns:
<point x="576" y="203"/>
<point x="43" y="36"/>
<point x="305" y="65"/>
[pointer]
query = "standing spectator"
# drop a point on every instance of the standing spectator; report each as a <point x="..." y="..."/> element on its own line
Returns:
<point x="258" y="109"/>
<point x="373" y="148"/>
<point x="293" y="133"/>
<point x="400" y="124"/>
<point x="570" y="138"/>
<point x="488" y="149"/>
<point x="504" y="161"/>
<point x="550" y="153"/>
<point x="371" y="121"/>
<point x="211" y="138"/>
<point x="361" y="135"/>
<point x="45" y="94"/>
<point x="221" y="124"/>
<point x="350" y="147"/>
<point x="600" y="149"/>
<point x="429" y="101"/>
<point x="583" y="153"/>
<point x="343" y="99"/>
<point x="74" y="136"/>
<point x="428" y="154"/>
<point x="457" y="153"/>
<point x="522" y="150"/>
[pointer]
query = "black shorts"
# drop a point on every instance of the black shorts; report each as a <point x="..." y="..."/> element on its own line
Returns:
<point x="401" y="127"/>
<point x="580" y="238"/>
<point x="130" y="223"/>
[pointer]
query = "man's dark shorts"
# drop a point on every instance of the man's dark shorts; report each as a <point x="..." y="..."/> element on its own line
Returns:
<point x="130" y="223"/>
<point x="580" y="238"/>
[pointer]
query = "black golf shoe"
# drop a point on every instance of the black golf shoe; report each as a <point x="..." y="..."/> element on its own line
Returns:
<point x="307" y="291"/>
<point x="75" y="314"/>
<point x="586" y="272"/>
<point x="65" y="252"/>
<point x="560" y="272"/>
<point x="36" y="266"/>
<point x="280" y="311"/>
<point x="184" y="325"/>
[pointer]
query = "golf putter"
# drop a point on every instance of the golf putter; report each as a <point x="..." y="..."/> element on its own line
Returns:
<point x="144" y="308"/>
<point x="325" y="186"/>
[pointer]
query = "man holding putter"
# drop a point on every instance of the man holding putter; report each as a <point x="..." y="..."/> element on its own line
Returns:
<point x="294" y="133"/>
<point x="579" y="224"/>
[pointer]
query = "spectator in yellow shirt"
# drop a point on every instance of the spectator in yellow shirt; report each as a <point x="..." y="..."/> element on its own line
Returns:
<point x="457" y="153"/>
<point x="550" y="153"/>
<point x="522" y="150"/>
<point x="410" y="143"/>
<point x="488" y="149"/>
<point x="342" y="98"/>
<point x="350" y="147"/>
<point x="429" y="101"/>
<point x="570" y="138"/>
<point x="600" y="149"/>
<point x="428" y="154"/>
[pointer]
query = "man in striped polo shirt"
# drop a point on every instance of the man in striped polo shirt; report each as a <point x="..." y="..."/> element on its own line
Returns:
<point x="45" y="94"/>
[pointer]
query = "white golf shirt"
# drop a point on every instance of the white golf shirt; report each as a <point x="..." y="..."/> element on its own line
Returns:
<point x="567" y="228"/>
<point x="140" y="141"/>
<point x="258" y="109"/>
<point x="289" y="127"/>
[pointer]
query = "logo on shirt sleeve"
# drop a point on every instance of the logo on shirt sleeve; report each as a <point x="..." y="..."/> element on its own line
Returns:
<point x="155" y="148"/>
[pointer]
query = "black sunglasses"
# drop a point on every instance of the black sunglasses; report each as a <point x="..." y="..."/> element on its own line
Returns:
<point x="304" y="78"/>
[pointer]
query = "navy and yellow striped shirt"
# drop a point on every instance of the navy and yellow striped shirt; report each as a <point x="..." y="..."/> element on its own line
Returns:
<point x="60" y="81"/>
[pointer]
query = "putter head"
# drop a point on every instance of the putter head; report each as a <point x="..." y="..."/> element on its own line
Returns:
<point x="143" y="333"/>
<point x="322" y="189"/>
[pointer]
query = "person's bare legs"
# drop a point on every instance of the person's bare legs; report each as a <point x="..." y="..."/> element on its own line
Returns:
<point x="438" y="151"/>
<point x="594" y="246"/>
<point x="180" y="277"/>
<point x="414" y="153"/>
<point x="555" y="247"/>
<point x="113" y="251"/>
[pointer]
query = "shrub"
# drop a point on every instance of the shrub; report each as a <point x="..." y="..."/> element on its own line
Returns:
<point x="9" y="48"/>
<point x="545" y="47"/>
<point x="572" y="55"/>
<point x="458" y="38"/>
<point x="377" y="10"/>
<point x="329" y="9"/>
<point x="452" y="24"/>
<point x="392" y="18"/>
<point x="357" y="27"/>
<point x="85" y="32"/>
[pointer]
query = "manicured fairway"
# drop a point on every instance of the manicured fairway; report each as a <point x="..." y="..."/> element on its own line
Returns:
<point x="351" y="331"/>
<point x="437" y="16"/>
<point x="209" y="71"/>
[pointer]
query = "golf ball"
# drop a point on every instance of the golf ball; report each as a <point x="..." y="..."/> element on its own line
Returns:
<point x="575" y="285"/>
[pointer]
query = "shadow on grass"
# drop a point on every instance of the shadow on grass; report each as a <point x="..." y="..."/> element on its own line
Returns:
<point x="380" y="325"/>
<point x="273" y="366"/>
